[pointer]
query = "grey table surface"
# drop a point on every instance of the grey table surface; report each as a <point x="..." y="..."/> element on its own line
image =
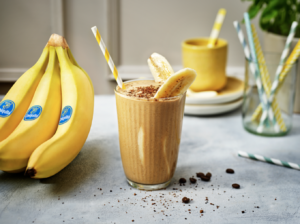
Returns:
<point x="208" y="144"/>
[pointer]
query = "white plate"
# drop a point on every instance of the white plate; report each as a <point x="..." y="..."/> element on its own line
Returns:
<point x="232" y="91"/>
<point x="212" y="109"/>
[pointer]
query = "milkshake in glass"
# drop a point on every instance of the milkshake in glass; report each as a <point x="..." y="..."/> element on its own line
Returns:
<point x="150" y="130"/>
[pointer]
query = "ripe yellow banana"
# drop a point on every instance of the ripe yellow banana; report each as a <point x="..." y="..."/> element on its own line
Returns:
<point x="16" y="102"/>
<point x="39" y="123"/>
<point x="74" y="62"/>
<point x="74" y="126"/>
<point x="177" y="83"/>
<point x="159" y="67"/>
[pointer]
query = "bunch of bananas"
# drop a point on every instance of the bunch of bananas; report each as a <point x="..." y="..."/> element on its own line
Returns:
<point x="46" y="116"/>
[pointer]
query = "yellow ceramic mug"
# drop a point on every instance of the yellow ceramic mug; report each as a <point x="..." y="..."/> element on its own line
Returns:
<point x="209" y="63"/>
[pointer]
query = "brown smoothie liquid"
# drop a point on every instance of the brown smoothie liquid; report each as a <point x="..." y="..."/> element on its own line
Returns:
<point x="149" y="132"/>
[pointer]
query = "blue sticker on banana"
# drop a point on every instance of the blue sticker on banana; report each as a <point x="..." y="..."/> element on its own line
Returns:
<point x="65" y="115"/>
<point x="33" y="113"/>
<point x="6" y="108"/>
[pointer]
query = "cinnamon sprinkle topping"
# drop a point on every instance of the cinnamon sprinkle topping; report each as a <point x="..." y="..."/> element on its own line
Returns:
<point x="143" y="92"/>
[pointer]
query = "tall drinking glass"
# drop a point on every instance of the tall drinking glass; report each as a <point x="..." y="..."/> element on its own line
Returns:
<point x="149" y="136"/>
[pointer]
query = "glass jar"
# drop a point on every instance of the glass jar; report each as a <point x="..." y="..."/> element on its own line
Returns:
<point x="283" y="101"/>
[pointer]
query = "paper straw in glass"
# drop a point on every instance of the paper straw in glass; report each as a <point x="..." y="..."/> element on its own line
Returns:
<point x="244" y="44"/>
<point x="266" y="79"/>
<point x="245" y="47"/>
<point x="261" y="92"/>
<point x="275" y="84"/>
<point x="107" y="57"/>
<point x="217" y="28"/>
<point x="289" y="63"/>
<point x="286" y="69"/>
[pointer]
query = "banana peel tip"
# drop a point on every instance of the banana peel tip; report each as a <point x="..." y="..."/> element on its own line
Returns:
<point x="30" y="172"/>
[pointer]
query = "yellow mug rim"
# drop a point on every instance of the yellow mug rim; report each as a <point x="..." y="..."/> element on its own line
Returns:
<point x="221" y="43"/>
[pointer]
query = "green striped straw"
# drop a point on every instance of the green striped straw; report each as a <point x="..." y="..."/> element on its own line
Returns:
<point x="269" y="111"/>
<point x="244" y="44"/>
<point x="269" y="160"/>
<point x="261" y="92"/>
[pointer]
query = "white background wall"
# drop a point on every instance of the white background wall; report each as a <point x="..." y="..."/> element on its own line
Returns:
<point x="144" y="27"/>
<point x="25" y="29"/>
<point x="161" y="26"/>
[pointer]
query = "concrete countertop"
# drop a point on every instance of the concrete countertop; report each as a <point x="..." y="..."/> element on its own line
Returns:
<point x="93" y="188"/>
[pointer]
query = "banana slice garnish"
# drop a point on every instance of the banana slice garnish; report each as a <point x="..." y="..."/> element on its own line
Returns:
<point x="159" y="67"/>
<point x="177" y="83"/>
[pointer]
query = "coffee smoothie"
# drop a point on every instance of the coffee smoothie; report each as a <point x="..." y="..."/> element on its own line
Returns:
<point x="150" y="114"/>
<point x="149" y="132"/>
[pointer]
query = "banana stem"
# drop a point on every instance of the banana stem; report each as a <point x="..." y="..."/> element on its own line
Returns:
<point x="56" y="40"/>
<point x="52" y="60"/>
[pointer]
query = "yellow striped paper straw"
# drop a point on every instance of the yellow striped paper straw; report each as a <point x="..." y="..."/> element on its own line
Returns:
<point x="287" y="67"/>
<point x="289" y="63"/>
<point x="217" y="27"/>
<point x="107" y="57"/>
<point x="266" y="79"/>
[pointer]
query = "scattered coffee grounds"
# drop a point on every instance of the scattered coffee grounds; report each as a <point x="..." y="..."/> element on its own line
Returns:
<point x="229" y="170"/>
<point x="182" y="180"/>
<point x="205" y="178"/>
<point x="236" y="186"/>
<point x="206" y="200"/>
<point x="185" y="200"/>
<point x="193" y="180"/>
<point x="161" y="200"/>
<point x="200" y="174"/>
